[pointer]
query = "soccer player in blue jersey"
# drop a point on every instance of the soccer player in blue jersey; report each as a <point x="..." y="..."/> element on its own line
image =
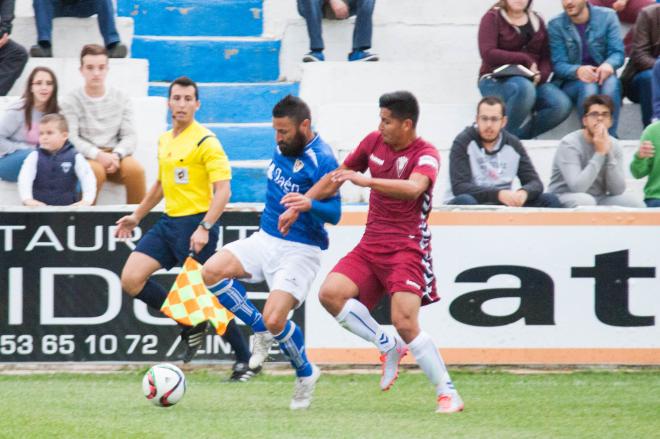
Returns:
<point x="287" y="263"/>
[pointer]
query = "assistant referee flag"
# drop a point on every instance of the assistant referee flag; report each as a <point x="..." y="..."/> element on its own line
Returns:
<point x="190" y="303"/>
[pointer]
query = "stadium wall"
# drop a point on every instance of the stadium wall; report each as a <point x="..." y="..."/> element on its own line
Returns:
<point x="517" y="287"/>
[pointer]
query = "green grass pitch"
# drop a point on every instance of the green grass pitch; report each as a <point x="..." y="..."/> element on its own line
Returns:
<point x="499" y="404"/>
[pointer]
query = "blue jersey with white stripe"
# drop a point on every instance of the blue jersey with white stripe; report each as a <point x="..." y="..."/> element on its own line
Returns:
<point x="298" y="174"/>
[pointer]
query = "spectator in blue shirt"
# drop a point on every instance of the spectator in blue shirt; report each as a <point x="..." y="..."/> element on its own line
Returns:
<point x="586" y="49"/>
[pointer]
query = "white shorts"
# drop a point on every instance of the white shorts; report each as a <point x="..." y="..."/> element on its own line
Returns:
<point x="284" y="265"/>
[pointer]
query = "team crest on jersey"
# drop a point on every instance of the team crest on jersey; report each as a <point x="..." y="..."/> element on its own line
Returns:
<point x="298" y="165"/>
<point x="401" y="163"/>
<point x="66" y="167"/>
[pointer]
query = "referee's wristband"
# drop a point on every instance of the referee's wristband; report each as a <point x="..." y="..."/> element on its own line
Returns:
<point x="206" y="225"/>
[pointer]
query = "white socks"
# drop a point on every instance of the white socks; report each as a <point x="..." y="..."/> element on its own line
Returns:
<point x="429" y="359"/>
<point x="356" y="318"/>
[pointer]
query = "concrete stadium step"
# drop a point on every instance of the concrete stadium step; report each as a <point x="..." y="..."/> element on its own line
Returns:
<point x="235" y="102"/>
<point x="70" y="34"/>
<point x="128" y="74"/>
<point x="209" y="59"/>
<point x="278" y="14"/>
<point x="245" y="141"/>
<point x="239" y="18"/>
<point x="248" y="183"/>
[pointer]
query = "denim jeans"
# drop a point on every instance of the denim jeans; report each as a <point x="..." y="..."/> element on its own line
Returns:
<point x="578" y="91"/>
<point x="531" y="110"/>
<point x="13" y="58"/>
<point x="640" y="92"/>
<point x="311" y="11"/>
<point x="46" y="10"/>
<point x="10" y="164"/>
<point x="545" y="199"/>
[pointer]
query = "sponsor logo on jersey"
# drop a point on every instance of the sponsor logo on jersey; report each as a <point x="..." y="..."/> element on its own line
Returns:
<point x="66" y="167"/>
<point x="376" y="160"/>
<point x="298" y="165"/>
<point x="275" y="175"/>
<point x="401" y="163"/>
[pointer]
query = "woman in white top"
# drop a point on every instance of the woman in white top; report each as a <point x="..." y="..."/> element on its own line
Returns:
<point x="19" y="123"/>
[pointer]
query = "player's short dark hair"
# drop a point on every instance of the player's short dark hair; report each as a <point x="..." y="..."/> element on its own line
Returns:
<point x="183" y="81"/>
<point x="604" y="100"/>
<point x="92" y="49"/>
<point x="402" y="104"/>
<point x="57" y="119"/>
<point x="292" y="107"/>
<point x="492" y="100"/>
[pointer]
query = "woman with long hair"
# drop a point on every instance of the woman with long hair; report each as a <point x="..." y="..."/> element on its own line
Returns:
<point x="19" y="123"/>
<point x="511" y="33"/>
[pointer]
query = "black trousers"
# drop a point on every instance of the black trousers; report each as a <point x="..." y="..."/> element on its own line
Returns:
<point x="13" y="58"/>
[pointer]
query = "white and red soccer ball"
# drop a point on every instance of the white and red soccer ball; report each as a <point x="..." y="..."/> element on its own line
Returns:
<point x="164" y="384"/>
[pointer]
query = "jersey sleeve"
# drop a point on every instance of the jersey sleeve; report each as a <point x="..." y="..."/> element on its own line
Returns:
<point x="428" y="164"/>
<point x="27" y="175"/>
<point x="215" y="160"/>
<point x="358" y="159"/>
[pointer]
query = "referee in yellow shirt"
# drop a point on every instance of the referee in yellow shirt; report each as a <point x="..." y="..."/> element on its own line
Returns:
<point x="194" y="178"/>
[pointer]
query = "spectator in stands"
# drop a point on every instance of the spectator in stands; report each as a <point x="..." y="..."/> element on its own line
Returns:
<point x="627" y="10"/>
<point x="637" y="77"/>
<point x="644" y="164"/>
<point x="46" y="10"/>
<point x="13" y="56"/>
<point x="313" y="12"/>
<point x="586" y="47"/>
<point x="485" y="159"/>
<point x="51" y="174"/>
<point x="588" y="166"/>
<point x="511" y="33"/>
<point x="655" y="86"/>
<point x="102" y="127"/>
<point x="19" y="123"/>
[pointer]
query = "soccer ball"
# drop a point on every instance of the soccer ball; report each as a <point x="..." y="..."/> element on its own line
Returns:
<point x="164" y="384"/>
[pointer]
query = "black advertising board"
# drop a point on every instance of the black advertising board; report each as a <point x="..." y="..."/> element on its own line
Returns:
<point x="61" y="297"/>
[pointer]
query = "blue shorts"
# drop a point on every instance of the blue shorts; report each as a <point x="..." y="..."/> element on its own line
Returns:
<point x="168" y="241"/>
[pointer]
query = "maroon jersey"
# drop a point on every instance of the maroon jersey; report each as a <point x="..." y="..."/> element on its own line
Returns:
<point x="391" y="218"/>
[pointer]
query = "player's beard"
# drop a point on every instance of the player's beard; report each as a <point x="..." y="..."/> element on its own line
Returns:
<point x="295" y="147"/>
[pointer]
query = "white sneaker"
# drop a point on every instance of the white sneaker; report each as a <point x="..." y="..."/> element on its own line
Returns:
<point x="262" y="342"/>
<point x="450" y="403"/>
<point x="303" y="390"/>
<point x="390" y="368"/>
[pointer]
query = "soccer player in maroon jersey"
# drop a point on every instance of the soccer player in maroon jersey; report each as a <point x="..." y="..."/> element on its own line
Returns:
<point x="394" y="254"/>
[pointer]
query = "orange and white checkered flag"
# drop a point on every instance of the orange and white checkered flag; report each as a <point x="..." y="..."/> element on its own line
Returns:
<point x="190" y="303"/>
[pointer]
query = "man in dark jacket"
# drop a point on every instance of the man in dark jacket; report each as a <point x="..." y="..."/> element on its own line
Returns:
<point x="639" y="73"/>
<point x="13" y="56"/>
<point x="485" y="159"/>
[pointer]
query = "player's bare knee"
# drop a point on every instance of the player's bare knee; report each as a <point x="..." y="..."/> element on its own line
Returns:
<point x="274" y="322"/>
<point x="131" y="284"/>
<point x="212" y="275"/>
<point x="405" y="325"/>
<point x="332" y="299"/>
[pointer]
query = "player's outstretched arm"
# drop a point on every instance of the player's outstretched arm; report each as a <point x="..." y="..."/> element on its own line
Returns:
<point x="410" y="189"/>
<point x="328" y="210"/>
<point x="126" y="224"/>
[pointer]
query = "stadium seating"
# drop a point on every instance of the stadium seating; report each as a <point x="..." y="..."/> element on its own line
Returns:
<point x="245" y="54"/>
